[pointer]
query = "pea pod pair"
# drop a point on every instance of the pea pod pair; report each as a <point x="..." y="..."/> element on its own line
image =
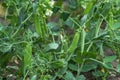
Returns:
<point x="74" y="43"/>
<point x="39" y="21"/>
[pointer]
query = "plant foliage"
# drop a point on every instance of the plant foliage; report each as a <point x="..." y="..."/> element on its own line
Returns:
<point x="59" y="40"/>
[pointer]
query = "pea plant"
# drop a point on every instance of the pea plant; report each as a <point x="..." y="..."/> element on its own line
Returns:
<point x="60" y="40"/>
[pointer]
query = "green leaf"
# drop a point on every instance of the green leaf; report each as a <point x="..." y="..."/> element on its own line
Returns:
<point x="1" y="27"/>
<point x="72" y="4"/>
<point x="5" y="47"/>
<point x="116" y="24"/>
<point x="108" y="65"/>
<point x="53" y="46"/>
<point x="118" y="68"/>
<point x="62" y="70"/>
<point x="88" y="67"/>
<point x="83" y="19"/>
<point x="34" y="77"/>
<point x="117" y="34"/>
<point x="51" y="25"/>
<point x="81" y="77"/>
<point x="69" y="23"/>
<point x="109" y="59"/>
<point x="73" y="67"/>
<point x="69" y="76"/>
<point x="59" y="63"/>
<point x="35" y="35"/>
<point x="97" y="73"/>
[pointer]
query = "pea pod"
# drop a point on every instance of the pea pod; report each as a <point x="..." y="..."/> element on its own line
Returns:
<point x="28" y="56"/>
<point x="39" y="21"/>
<point x="82" y="41"/>
<point x="37" y="25"/>
<point x="43" y="23"/>
<point x="74" y="43"/>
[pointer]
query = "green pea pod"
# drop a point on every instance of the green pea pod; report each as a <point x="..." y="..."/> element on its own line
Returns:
<point x="43" y="23"/>
<point x="37" y="25"/>
<point x="39" y="21"/>
<point x="74" y="43"/>
<point x="82" y="41"/>
<point x="28" y="56"/>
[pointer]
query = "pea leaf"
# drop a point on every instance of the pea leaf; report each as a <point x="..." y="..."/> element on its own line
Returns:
<point x="89" y="67"/>
<point x="108" y="65"/>
<point x="59" y="63"/>
<point x="72" y="67"/>
<point x="109" y="59"/>
<point x="97" y="73"/>
<point x="69" y="76"/>
<point x="81" y="77"/>
<point x="5" y="47"/>
<point x="118" y="67"/>
<point x="72" y="4"/>
<point x="51" y="46"/>
<point x="34" y="77"/>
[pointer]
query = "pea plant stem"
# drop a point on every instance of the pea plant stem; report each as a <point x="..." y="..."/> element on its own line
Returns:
<point x="80" y="68"/>
<point x="98" y="27"/>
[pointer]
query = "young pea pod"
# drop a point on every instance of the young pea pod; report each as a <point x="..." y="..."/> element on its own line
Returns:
<point x="74" y="43"/>
<point x="37" y="25"/>
<point x="82" y="41"/>
<point x="37" y="19"/>
<point x="27" y="56"/>
<point x="43" y="23"/>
